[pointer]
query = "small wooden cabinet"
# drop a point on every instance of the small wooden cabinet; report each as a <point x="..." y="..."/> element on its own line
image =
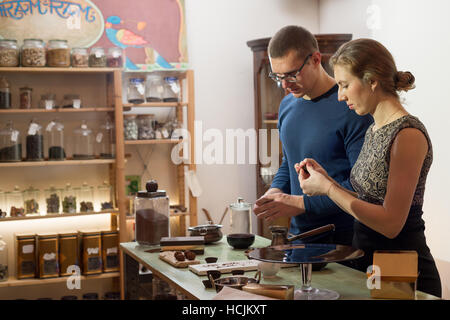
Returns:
<point x="267" y="100"/>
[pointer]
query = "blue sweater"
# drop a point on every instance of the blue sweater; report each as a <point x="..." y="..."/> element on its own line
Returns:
<point x="329" y="132"/>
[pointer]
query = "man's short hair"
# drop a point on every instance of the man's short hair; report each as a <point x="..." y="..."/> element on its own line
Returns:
<point x="292" y="38"/>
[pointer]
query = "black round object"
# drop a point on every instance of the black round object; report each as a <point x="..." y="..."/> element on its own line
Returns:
<point x="240" y="240"/>
<point x="151" y="186"/>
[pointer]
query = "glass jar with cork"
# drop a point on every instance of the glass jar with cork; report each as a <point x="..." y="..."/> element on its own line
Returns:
<point x="85" y="196"/>
<point x="14" y="202"/>
<point x="58" y="53"/>
<point x="69" y="199"/>
<point x="9" y="53"/>
<point x="84" y="143"/>
<point x="106" y="140"/>
<point x="55" y="140"/>
<point x="35" y="142"/>
<point x="10" y="144"/>
<point x="31" y="198"/>
<point x="53" y="200"/>
<point x="33" y="53"/>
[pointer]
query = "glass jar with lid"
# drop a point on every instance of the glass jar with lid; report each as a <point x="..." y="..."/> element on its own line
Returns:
<point x="105" y="196"/>
<point x="33" y="53"/>
<point x="171" y="89"/>
<point x="80" y="58"/>
<point x="5" y="94"/>
<point x="130" y="127"/>
<point x="97" y="57"/>
<point x="9" y="53"/>
<point x="31" y="200"/>
<point x="58" y="53"/>
<point x="84" y="143"/>
<point x="106" y="140"/>
<point x="146" y="124"/>
<point x="53" y="200"/>
<point x="25" y="97"/>
<point x="48" y="101"/>
<point x="35" y="142"/>
<point x="136" y="90"/>
<point x="55" y="140"/>
<point x="114" y="59"/>
<point x="71" y="101"/>
<point x="14" y="202"/>
<point x="154" y="88"/>
<point x="10" y="144"/>
<point x="85" y="196"/>
<point x="69" y="199"/>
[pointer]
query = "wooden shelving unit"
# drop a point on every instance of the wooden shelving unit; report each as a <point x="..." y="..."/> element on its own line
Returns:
<point x="14" y="282"/>
<point x="155" y="141"/>
<point x="60" y="215"/>
<point x="59" y="110"/>
<point x="56" y="163"/>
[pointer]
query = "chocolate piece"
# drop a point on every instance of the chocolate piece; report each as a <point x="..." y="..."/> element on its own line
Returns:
<point x="189" y="255"/>
<point x="179" y="256"/>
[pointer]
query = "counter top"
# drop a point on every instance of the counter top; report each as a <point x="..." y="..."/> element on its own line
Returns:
<point x="349" y="283"/>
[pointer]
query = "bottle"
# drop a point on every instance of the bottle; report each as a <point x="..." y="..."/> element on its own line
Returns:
<point x="10" y="144"/>
<point x="25" y="98"/>
<point x="9" y="53"/>
<point x="58" y="53"/>
<point x="3" y="260"/>
<point x="33" y="53"/>
<point x="55" y="140"/>
<point x="5" y="94"/>
<point x="106" y="140"/>
<point x="35" y="142"/>
<point x="84" y="143"/>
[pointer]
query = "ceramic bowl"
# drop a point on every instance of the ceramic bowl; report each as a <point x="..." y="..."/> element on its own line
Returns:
<point x="240" y="240"/>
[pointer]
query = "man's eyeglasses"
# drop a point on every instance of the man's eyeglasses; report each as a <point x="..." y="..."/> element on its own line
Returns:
<point x="289" y="76"/>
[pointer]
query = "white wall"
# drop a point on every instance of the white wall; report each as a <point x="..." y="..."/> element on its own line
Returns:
<point x="223" y="65"/>
<point x="416" y="32"/>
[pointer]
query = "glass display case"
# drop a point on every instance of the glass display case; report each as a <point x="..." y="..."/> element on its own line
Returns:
<point x="267" y="96"/>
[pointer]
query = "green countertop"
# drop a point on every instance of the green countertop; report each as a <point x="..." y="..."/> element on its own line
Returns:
<point x="349" y="283"/>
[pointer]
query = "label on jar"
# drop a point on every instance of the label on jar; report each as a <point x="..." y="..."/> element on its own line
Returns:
<point x="83" y="126"/>
<point x="49" y="256"/>
<point x="160" y="89"/>
<point x="33" y="129"/>
<point x="116" y="54"/>
<point x="14" y="135"/>
<point x="140" y="88"/>
<point x="99" y="137"/>
<point x="98" y="54"/>
<point x="50" y="126"/>
<point x="174" y="87"/>
<point x="91" y="251"/>
<point x="77" y="103"/>
<point x="165" y="133"/>
<point x="28" y="248"/>
<point x="48" y="104"/>
<point x="111" y="250"/>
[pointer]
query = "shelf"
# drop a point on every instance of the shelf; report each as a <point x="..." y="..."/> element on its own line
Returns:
<point x="59" y="110"/>
<point x="55" y="163"/>
<point x="155" y="104"/>
<point x="58" y="70"/>
<point x="60" y="215"/>
<point x="14" y="282"/>
<point x="153" y="141"/>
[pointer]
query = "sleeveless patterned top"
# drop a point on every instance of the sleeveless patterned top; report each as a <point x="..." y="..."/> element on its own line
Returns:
<point x="369" y="175"/>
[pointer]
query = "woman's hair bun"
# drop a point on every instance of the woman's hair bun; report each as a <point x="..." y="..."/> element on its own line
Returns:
<point x="404" y="81"/>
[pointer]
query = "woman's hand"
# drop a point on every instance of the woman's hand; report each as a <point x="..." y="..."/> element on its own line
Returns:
<point x="313" y="178"/>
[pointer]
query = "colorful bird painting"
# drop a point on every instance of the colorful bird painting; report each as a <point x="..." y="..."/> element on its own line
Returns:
<point x="124" y="38"/>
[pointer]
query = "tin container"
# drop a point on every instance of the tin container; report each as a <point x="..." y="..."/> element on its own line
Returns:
<point x="110" y="250"/>
<point x="26" y="256"/>
<point x="68" y="252"/>
<point x="48" y="255"/>
<point x="91" y="244"/>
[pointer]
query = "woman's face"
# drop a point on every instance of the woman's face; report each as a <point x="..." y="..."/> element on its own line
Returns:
<point x="356" y="93"/>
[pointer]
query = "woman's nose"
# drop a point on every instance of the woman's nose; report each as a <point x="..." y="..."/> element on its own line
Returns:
<point x="341" y="97"/>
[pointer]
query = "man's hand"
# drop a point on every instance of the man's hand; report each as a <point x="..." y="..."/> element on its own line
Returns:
<point x="274" y="205"/>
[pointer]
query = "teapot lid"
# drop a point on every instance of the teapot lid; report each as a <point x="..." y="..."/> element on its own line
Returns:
<point x="155" y="194"/>
<point x="240" y="205"/>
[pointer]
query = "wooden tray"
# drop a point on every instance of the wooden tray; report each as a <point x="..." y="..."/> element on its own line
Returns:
<point x="225" y="267"/>
<point x="169" y="257"/>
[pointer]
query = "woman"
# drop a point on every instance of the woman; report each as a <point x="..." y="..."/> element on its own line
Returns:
<point x="390" y="173"/>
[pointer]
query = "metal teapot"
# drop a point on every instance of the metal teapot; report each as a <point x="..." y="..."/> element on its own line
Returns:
<point x="280" y="234"/>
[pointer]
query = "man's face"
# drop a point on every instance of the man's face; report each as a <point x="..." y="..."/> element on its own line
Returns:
<point x="288" y="66"/>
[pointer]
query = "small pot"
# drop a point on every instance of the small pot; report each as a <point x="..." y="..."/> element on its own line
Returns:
<point x="211" y="232"/>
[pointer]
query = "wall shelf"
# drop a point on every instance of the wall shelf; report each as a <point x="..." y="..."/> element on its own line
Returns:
<point x="154" y="141"/>
<point x="55" y="163"/>
<point x="59" y="110"/>
<point x="14" y="282"/>
<point x="60" y="70"/>
<point x="60" y="215"/>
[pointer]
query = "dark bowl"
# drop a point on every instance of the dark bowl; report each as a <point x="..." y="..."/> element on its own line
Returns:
<point x="240" y="240"/>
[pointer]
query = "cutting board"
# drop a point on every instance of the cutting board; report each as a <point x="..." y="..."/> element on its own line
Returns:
<point x="225" y="267"/>
<point x="169" y="257"/>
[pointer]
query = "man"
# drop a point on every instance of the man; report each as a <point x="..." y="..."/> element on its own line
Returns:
<point x="312" y="124"/>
